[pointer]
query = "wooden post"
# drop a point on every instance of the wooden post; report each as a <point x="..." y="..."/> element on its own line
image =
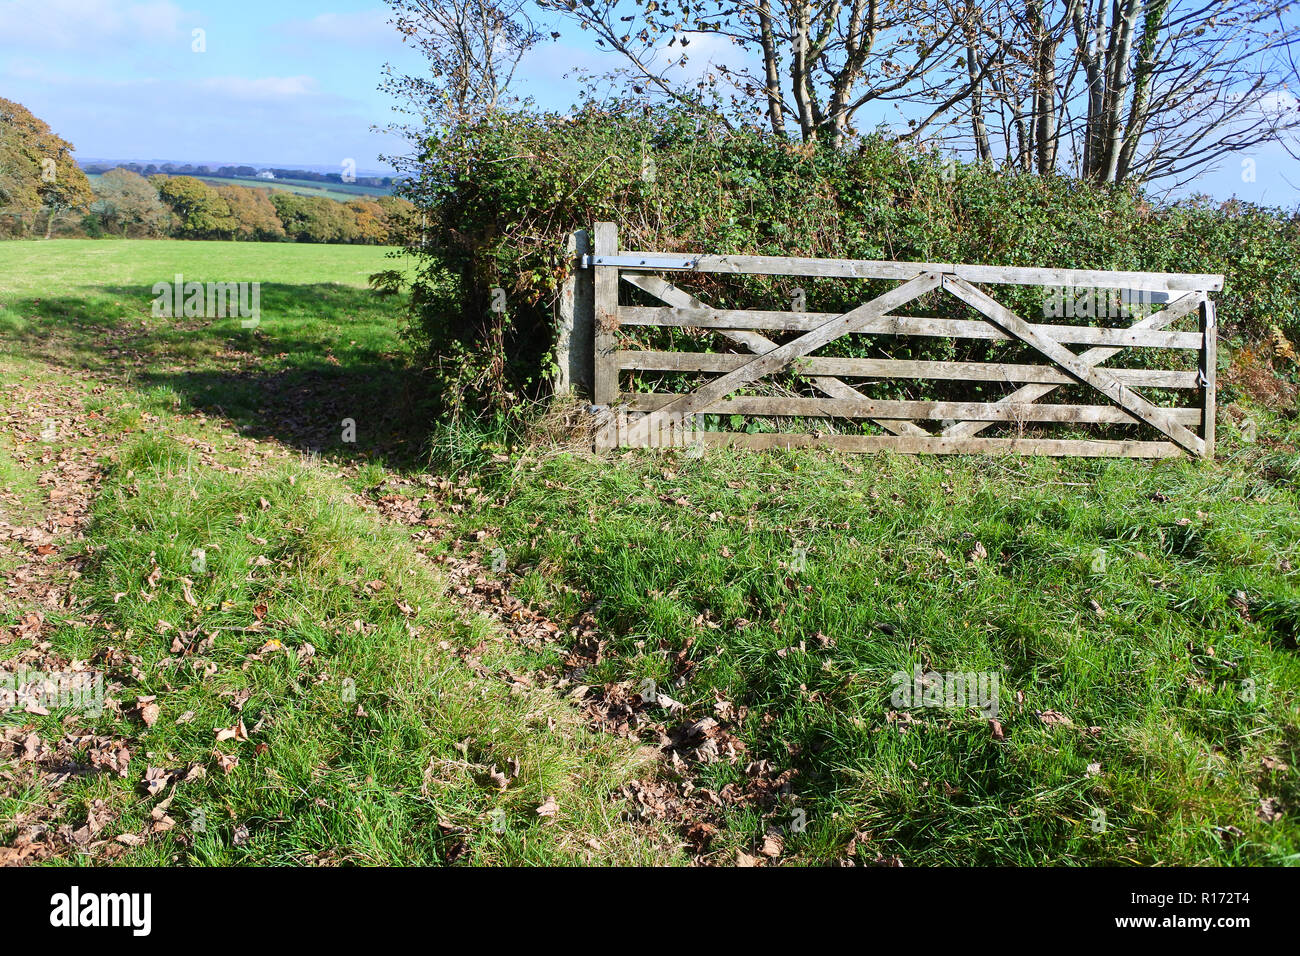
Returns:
<point x="574" y="325"/>
<point x="1209" y="368"/>
<point x="605" y="297"/>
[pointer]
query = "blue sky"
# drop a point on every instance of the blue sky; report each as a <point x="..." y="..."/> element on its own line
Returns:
<point x="281" y="81"/>
<point x="291" y="82"/>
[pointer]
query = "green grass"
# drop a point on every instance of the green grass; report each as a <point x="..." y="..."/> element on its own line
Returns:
<point x="378" y="748"/>
<point x="34" y="267"/>
<point x="305" y="187"/>
<point x="795" y="585"/>
<point x="374" y="712"/>
<point x="20" y="502"/>
<point x="373" y="719"/>
<point x="327" y="348"/>
<point x="1154" y="605"/>
<point x="299" y="187"/>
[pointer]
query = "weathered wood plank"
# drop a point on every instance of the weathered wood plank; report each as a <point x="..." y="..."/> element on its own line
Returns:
<point x="779" y="358"/>
<point x="605" y="296"/>
<point x="996" y="275"/>
<point x="774" y="405"/>
<point x="648" y="360"/>
<point x="1209" y="372"/>
<point x="1100" y="379"/>
<point x="724" y="319"/>
<point x="938" y="445"/>
<point x="574" y="333"/>
<point x="828" y="385"/>
<point x="1171" y="313"/>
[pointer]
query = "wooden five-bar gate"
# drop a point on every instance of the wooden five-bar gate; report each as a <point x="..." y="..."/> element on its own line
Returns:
<point x="642" y="419"/>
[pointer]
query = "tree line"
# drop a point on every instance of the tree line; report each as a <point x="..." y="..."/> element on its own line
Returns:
<point x="242" y="172"/>
<point x="44" y="192"/>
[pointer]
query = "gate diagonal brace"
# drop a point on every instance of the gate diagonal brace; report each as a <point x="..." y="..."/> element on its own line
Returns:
<point x="781" y="357"/>
<point x="761" y="344"/>
<point x="1085" y="373"/>
<point x="1171" y="313"/>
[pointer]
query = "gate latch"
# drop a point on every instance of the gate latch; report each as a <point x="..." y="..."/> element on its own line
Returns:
<point x="648" y="262"/>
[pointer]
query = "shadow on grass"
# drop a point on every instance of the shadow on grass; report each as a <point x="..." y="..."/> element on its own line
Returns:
<point x="364" y="411"/>
<point x="324" y="371"/>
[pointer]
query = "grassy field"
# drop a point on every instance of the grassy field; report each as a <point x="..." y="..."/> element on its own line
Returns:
<point x="1141" y="623"/>
<point x="303" y="187"/>
<point x="325" y="348"/>
<point x="306" y="692"/>
<point x="516" y="653"/>
<point x="39" y="268"/>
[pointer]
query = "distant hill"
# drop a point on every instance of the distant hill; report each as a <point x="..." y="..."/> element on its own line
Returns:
<point x="312" y="180"/>
<point x="218" y="163"/>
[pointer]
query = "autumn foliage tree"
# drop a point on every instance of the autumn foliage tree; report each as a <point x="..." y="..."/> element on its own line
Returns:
<point x="39" y="179"/>
<point x="252" y="212"/>
<point x="198" y="210"/>
<point x="315" y="218"/>
<point x="128" y="205"/>
<point x="19" y="196"/>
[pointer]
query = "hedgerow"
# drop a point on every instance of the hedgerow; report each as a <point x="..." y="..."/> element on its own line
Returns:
<point x="500" y="195"/>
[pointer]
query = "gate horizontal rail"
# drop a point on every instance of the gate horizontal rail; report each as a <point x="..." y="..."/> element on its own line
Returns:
<point x="649" y="419"/>
<point x="882" y="269"/>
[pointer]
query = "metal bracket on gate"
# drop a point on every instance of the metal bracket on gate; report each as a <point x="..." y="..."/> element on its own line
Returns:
<point x="653" y="263"/>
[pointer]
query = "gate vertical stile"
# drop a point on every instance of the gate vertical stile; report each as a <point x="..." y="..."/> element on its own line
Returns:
<point x="573" y="320"/>
<point x="605" y="376"/>
<point x="1209" y="363"/>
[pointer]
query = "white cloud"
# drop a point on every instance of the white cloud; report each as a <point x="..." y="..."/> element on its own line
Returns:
<point x="92" y="27"/>
<point x="1277" y="103"/>
<point x="362" y="28"/>
<point x="262" y="88"/>
<point x="702" y="52"/>
<point x="229" y="118"/>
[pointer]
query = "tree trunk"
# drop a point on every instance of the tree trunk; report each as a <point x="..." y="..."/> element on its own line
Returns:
<point x="1119" y="81"/>
<point x="978" y="129"/>
<point x="775" y="110"/>
<point x="800" y="68"/>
